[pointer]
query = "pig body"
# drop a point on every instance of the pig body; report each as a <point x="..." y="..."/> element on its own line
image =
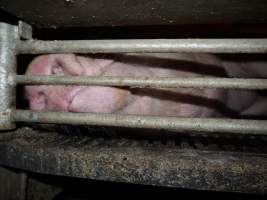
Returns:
<point x="248" y="103"/>
<point x="184" y="102"/>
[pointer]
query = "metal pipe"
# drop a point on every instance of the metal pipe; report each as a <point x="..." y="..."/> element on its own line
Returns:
<point x="8" y="40"/>
<point x="168" y="123"/>
<point x="145" y="45"/>
<point x="145" y="82"/>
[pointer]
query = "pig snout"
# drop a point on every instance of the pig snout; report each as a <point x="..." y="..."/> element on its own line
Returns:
<point x="160" y="102"/>
<point x="72" y="98"/>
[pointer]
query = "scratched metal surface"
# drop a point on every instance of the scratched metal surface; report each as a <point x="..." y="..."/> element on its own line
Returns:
<point x="86" y="13"/>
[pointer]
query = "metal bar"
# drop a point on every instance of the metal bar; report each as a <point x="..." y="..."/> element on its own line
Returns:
<point x="8" y="39"/>
<point x="169" y="123"/>
<point x="145" y="45"/>
<point x="142" y="82"/>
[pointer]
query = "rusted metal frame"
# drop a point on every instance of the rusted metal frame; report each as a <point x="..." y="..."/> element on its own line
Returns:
<point x="8" y="39"/>
<point x="145" y="45"/>
<point x="10" y="45"/>
<point x="145" y="82"/>
<point x="135" y="121"/>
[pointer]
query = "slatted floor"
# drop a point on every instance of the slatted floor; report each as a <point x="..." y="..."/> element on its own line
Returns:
<point x="225" y="164"/>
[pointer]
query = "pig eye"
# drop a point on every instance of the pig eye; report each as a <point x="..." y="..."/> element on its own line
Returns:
<point x="57" y="70"/>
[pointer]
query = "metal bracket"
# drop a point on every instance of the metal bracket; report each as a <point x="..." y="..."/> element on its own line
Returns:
<point x="25" y="31"/>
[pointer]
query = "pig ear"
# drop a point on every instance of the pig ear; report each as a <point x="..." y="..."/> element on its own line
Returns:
<point x="40" y="66"/>
<point x="57" y="64"/>
<point x="105" y="62"/>
<point x="68" y="63"/>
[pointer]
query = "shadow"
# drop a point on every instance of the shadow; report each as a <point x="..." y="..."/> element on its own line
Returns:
<point x="243" y="58"/>
<point x="168" y="63"/>
<point x="153" y="32"/>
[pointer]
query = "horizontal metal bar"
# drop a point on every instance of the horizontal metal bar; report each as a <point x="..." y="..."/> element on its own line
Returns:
<point x="145" y="45"/>
<point x="169" y="123"/>
<point x="225" y="83"/>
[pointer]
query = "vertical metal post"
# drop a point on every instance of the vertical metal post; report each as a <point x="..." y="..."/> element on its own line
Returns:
<point x="23" y="185"/>
<point x="8" y="40"/>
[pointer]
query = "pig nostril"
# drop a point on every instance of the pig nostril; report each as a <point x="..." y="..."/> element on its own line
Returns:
<point x="38" y="102"/>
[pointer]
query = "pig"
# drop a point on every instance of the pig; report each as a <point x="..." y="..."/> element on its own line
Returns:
<point x="249" y="104"/>
<point x="180" y="102"/>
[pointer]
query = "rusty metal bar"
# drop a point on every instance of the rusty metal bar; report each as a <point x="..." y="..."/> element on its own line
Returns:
<point x="8" y="40"/>
<point x="160" y="82"/>
<point x="168" y="123"/>
<point x="145" y="45"/>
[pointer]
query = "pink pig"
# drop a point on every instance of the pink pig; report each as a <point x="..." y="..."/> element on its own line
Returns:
<point x="184" y="102"/>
